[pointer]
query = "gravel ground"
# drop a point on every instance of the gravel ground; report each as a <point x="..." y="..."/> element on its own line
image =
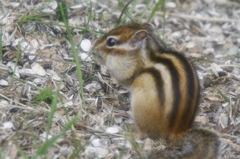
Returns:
<point x="37" y="55"/>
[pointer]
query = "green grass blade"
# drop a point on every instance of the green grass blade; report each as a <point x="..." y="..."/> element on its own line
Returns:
<point x="45" y="94"/>
<point x="89" y="18"/>
<point x="51" y="113"/>
<point x="160" y="2"/>
<point x="221" y="94"/>
<point x="224" y="97"/>
<point x="22" y="153"/>
<point x="58" y="11"/>
<point x="75" y="54"/>
<point x="145" y="9"/>
<point x="124" y="9"/>
<point x="50" y="142"/>
<point x="32" y="15"/>
<point x="128" y="14"/>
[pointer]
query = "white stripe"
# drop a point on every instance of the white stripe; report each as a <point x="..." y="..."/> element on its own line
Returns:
<point x="167" y="87"/>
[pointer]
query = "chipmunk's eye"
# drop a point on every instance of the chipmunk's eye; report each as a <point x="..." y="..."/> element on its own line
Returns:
<point x="111" y="42"/>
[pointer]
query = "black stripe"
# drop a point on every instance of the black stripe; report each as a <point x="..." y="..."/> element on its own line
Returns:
<point x="174" y="76"/>
<point x="129" y="80"/>
<point x="175" y="85"/>
<point x="191" y="78"/>
<point x="190" y="109"/>
<point x="158" y="82"/>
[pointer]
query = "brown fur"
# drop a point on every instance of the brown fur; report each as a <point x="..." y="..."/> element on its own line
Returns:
<point x="164" y="85"/>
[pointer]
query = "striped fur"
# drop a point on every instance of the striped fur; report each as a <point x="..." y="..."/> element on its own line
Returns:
<point x="176" y="96"/>
<point x="163" y="83"/>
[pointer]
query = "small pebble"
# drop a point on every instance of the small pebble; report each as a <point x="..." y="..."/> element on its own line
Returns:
<point x="7" y="125"/>
<point x="112" y="130"/>
<point x="171" y="5"/>
<point x="85" y="45"/>
<point x="96" y="142"/>
<point x="38" y="69"/>
<point x="85" y="57"/>
<point x="3" y="82"/>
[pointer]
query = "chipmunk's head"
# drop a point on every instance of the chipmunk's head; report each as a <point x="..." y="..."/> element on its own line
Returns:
<point x="122" y="41"/>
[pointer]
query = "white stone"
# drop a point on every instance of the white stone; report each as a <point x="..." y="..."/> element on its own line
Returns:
<point x="112" y="130"/>
<point x="4" y="103"/>
<point x="7" y="125"/>
<point x="38" y="69"/>
<point x="26" y="71"/>
<point x="54" y="75"/>
<point x="32" y="54"/>
<point x="96" y="143"/>
<point x="171" y="5"/>
<point x="24" y="45"/>
<point x="77" y="6"/>
<point x="223" y="120"/>
<point x="190" y="45"/>
<point x="85" y="45"/>
<point x="97" y="152"/>
<point x="44" y="135"/>
<point x="216" y="67"/>
<point x="85" y="57"/>
<point x="3" y="82"/>
<point x="15" y="4"/>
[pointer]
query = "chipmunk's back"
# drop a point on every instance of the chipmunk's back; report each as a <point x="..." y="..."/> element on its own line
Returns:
<point x="166" y="92"/>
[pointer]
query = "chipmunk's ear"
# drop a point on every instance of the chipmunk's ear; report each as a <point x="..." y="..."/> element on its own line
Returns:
<point x="140" y="35"/>
<point x="148" y="26"/>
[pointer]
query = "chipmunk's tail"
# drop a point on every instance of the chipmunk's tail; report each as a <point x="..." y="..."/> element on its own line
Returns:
<point x="198" y="144"/>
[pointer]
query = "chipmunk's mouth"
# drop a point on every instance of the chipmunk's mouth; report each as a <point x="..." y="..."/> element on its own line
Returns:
<point x="98" y="57"/>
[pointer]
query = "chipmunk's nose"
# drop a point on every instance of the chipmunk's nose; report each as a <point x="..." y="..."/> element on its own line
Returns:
<point x="96" y="55"/>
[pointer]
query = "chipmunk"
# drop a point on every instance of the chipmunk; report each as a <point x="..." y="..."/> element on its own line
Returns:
<point x="163" y="84"/>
